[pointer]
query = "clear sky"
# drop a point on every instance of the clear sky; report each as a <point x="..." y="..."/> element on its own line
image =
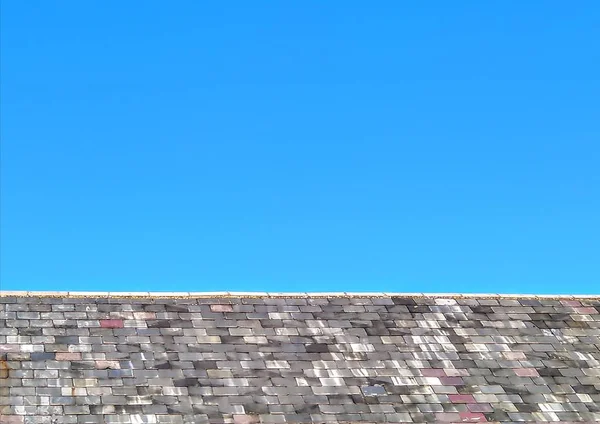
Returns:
<point x="301" y="146"/>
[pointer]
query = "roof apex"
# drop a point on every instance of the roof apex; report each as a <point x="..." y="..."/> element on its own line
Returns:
<point x="237" y="294"/>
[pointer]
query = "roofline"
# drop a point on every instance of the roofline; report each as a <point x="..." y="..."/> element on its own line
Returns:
<point x="227" y="294"/>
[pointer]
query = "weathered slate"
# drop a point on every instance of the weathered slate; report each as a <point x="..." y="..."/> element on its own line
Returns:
<point x="298" y="360"/>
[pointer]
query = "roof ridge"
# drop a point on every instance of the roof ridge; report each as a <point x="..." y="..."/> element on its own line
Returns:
<point x="234" y="294"/>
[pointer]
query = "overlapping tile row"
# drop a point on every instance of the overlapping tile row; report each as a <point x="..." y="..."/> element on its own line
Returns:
<point x="299" y="360"/>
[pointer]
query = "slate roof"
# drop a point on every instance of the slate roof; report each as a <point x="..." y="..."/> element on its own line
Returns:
<point x="277" y="359"/>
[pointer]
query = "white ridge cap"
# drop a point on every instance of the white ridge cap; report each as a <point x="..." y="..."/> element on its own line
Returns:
<point x="13" y="293"/>
<point x="365" y="294"/>
<point x="549" y="296"/>
<point x="209" y="294"/>
<point x="128" y="294"/>
<point x="88" y="293"/>
<point x="46" y="293"/>
<point x="169" y="294"/>
<point x="220" y="294"/>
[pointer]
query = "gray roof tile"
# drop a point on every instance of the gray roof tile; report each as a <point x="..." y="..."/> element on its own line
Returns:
<point x="251" y="360"/>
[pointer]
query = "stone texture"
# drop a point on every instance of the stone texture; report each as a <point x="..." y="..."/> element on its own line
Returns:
<point x="302" y="359"/>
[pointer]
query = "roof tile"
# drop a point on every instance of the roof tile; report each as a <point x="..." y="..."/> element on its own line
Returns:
<point x="360" y="358"/>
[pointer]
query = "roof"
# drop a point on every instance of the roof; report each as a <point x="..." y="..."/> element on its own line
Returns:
<point x="260" y="358"/>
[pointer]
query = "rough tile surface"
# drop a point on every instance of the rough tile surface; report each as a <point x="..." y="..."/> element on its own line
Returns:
<point x="298" y="360"/>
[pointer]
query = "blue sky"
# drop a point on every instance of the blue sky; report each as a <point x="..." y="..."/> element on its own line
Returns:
<point x="301" y="146"/>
